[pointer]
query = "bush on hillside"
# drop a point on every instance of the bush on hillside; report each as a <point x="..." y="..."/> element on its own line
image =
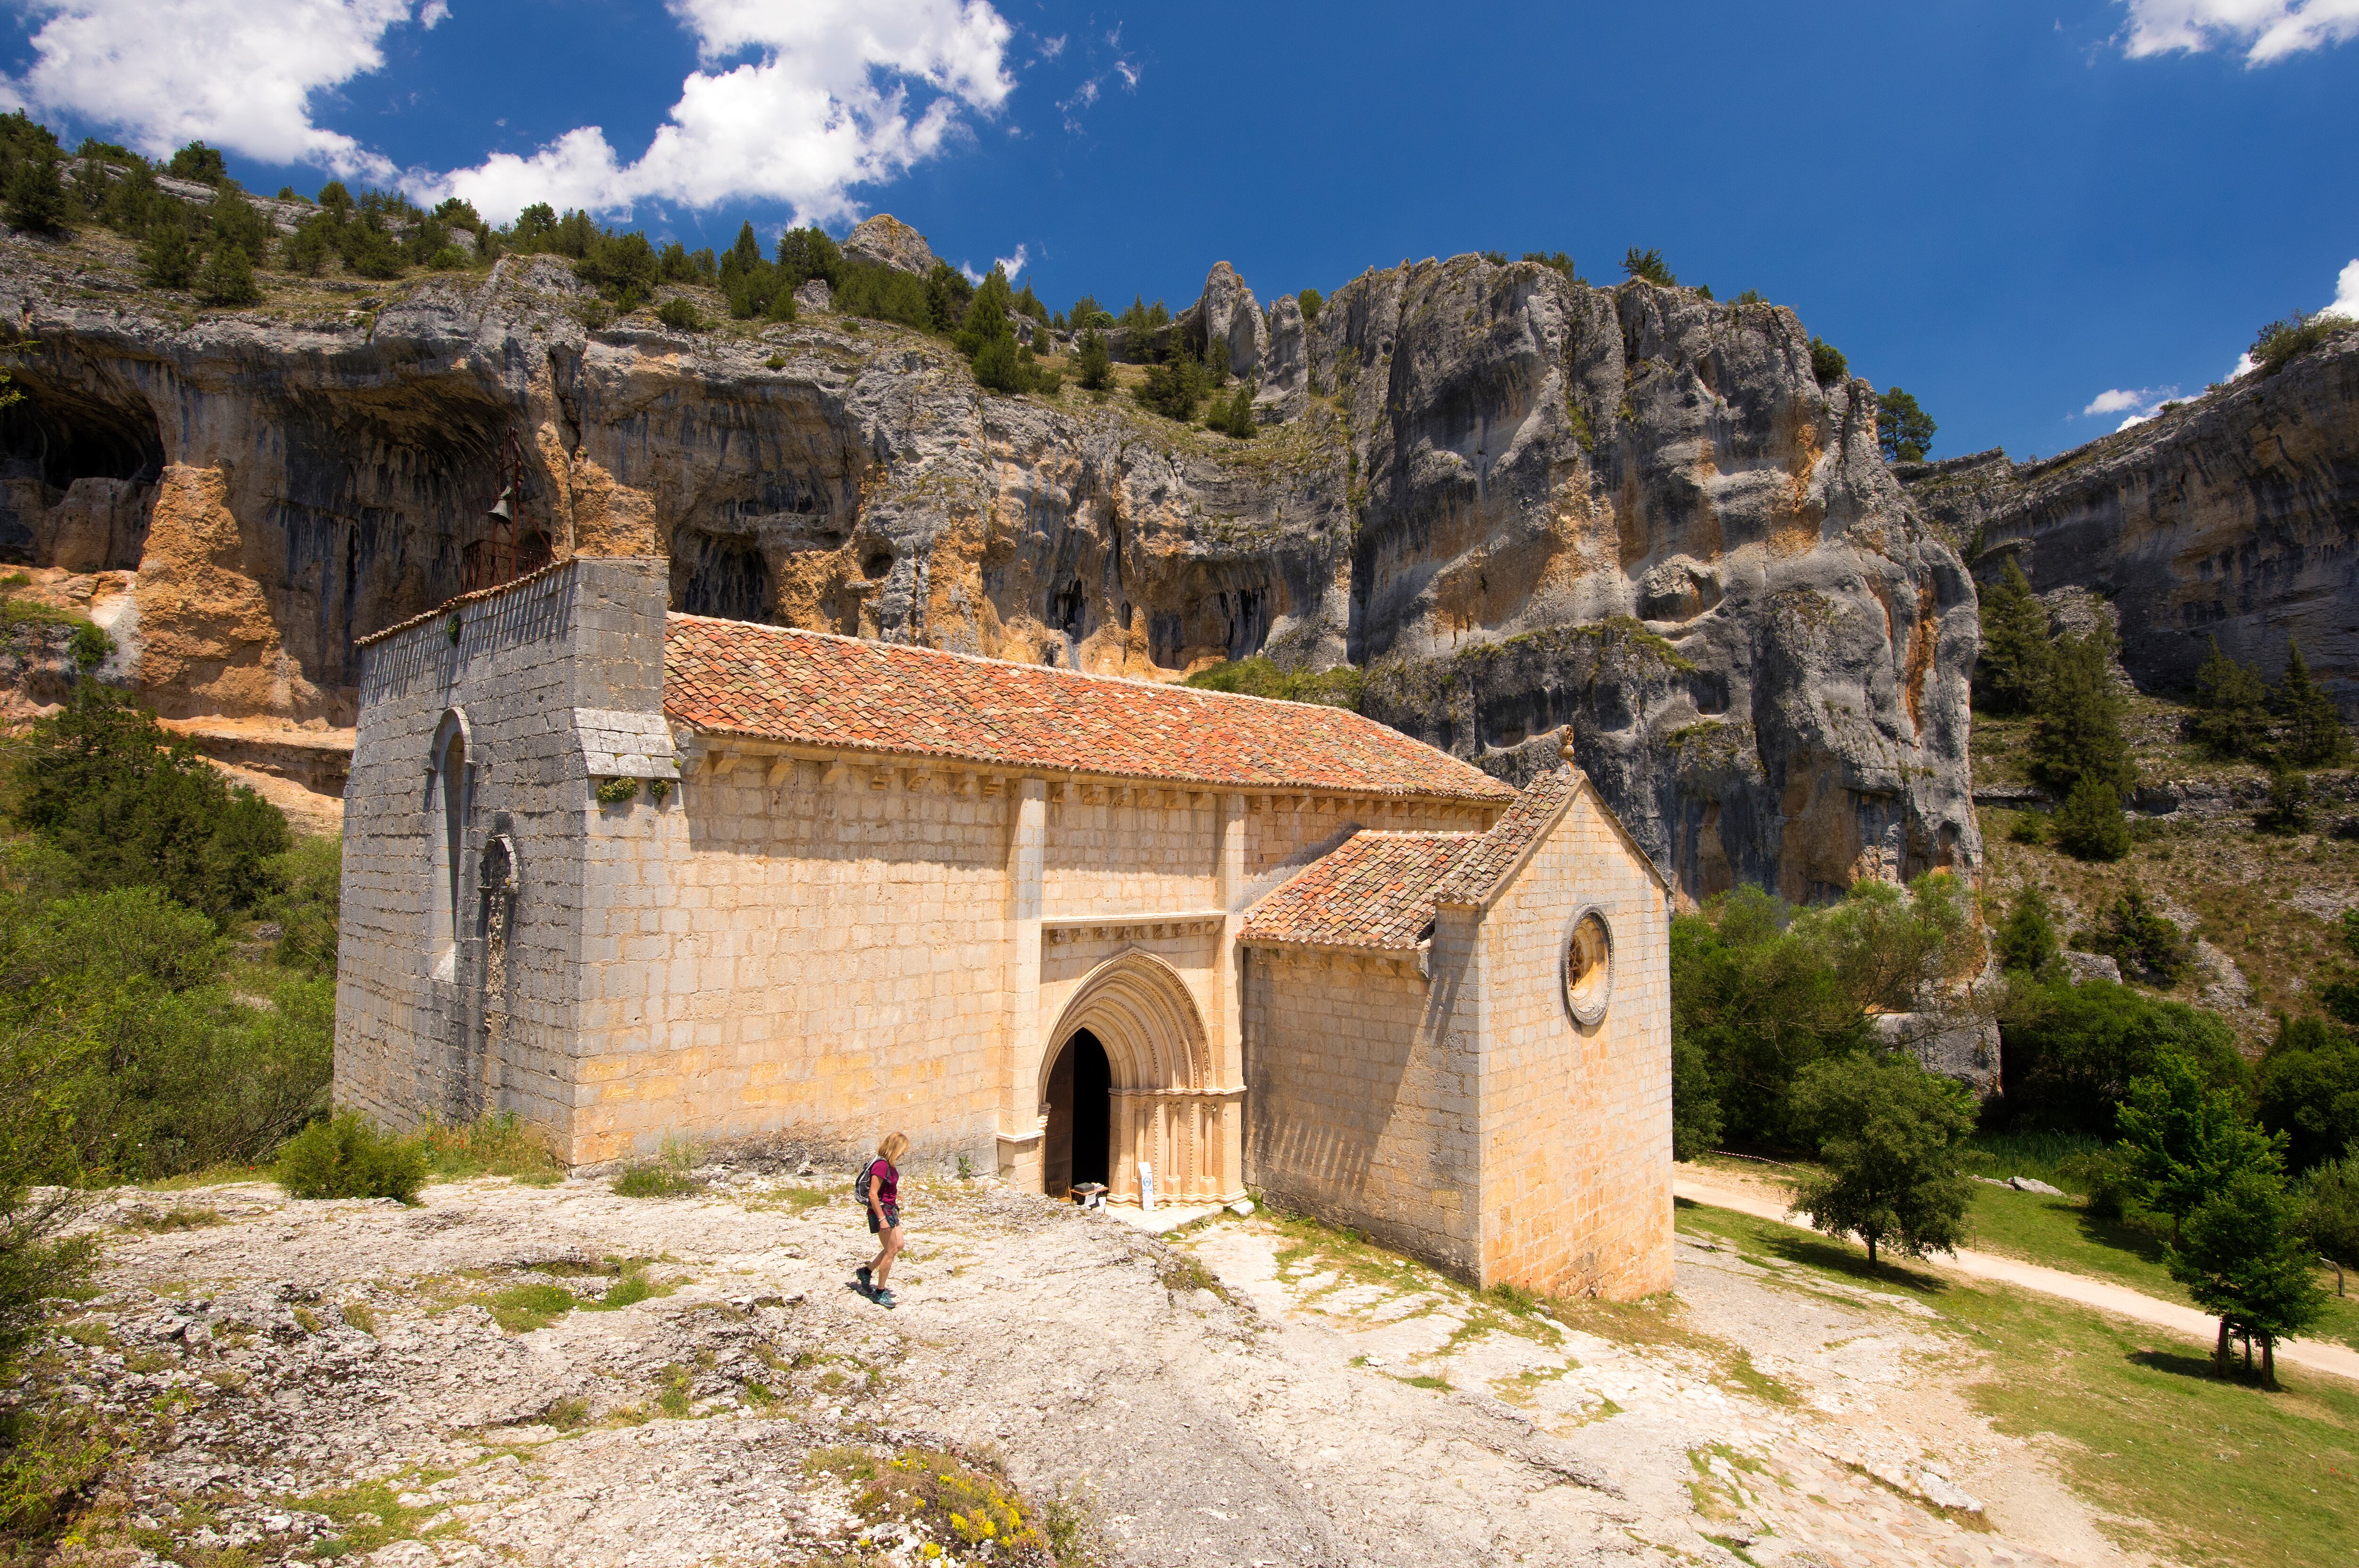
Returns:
<point x="2146" y="944"/>
<point x="2330" y="1209"/>
<point x="227" y="278"/>
<point x="2025" y="941"/>
<point x="346" y="1156"/>
<point x="37" y="197"/>
<point x="2310" y="1090"/>
<point x="126" y="804"/>
<point x="681" y="315"/>
<point x="1310" y="300"/>
<point x="1097" y="365"/>
<point x="2298" y="333"/>
<point x="2069" y="1052"/>
<point x="2313" y="734"/>
<point x="169" y="257"/>
<point x="2231" y="714"/>
<point x="2090" y="825"/>
<point x="200" y="163"/>
<point x="1260" y="677"/>
<point x="1828" y="365"/>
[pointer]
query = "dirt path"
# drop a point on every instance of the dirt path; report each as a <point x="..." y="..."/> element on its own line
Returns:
<point x="1765" y="1202"/>
<point x="1241" y="1396"/>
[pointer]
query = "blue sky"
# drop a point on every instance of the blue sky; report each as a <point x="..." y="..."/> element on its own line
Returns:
<point x="2040" y="220"/>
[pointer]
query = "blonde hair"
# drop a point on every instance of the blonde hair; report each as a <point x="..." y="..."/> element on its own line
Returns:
<point x="896" y="1144"/>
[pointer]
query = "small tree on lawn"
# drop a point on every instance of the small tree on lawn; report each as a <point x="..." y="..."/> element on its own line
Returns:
<point x="2185" y="1139"/>
<point x="1888" y="1133"/>
<point x="2244" y="1260"/>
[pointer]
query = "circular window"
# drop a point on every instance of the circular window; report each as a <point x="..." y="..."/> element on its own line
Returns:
<point x="1588" y="967"/>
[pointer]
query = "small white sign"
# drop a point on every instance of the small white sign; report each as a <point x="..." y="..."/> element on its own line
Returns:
<point x="1146" y="1187"/>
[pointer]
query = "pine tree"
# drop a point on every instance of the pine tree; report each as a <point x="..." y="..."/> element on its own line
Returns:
<point x="2231" y="718"/>
<point x="2314" y="734"/>
<point x="37" y="197"/>
<point x="987" y="316"/>
<point x="2077" y="732"/>
<point x="1097" y="369"/>
<point x="2025" y="940"/>
<point x="168" y="257"/>
<point x="2185" y="1138"/>
<point x="2016" y="653"/>
<point x="1903" y="430"/>
<point x="2090" y="826"/>
<point x="227" y="278"/>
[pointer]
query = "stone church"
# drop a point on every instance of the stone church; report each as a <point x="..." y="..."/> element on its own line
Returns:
<point x="628" y="873"/>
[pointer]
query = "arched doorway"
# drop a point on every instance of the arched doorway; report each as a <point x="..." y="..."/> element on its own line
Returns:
<point x="1163" y="1107"/>
<point x="1073" y="1146"/>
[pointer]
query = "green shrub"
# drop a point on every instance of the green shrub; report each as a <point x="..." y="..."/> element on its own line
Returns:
<point x="2287" y="810"/>
<point x="617" y="791"/>
<point x="36" y="196"/>
<point x="89" y="647"/>
<point x="2076" y="730"/>
<point x="2313" y="733"/>
<point x="1828" y="365"/>
<point x="2025" y="941"/>
<point x="1175" y="388"/>
<point x="2069" y="1052"/>
<point x="1233" y="417"/>
<point x="671" y="1173"/>
<point x="2144" y="943"/>
<point x="2090" y="826"/>
<point x="1258" y="677"/>
<point x="227" y="278"/>
<point x="1555" y="261"/>
<point x="2231" y="717"/>
<point x="346" y="1157"/>
<point x="2279" y="341"/>
<point x="127" y="804"/>
<point x="2310" y="1090"/>
<point x="681" y="315"/>
<point x="1310" y="300"/>
<point x="169" y="258"/>
<point x="2330" y="1209"/>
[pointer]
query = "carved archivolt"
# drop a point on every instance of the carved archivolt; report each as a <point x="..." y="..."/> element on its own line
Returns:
<point x="1141" y="1012"/>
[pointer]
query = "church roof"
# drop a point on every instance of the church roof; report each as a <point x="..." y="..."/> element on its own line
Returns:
<point x="1500" y="850"/>
<point x="1375" y="889"/>
<point x="1380" y="890"/>
<point x="734" y="678"/>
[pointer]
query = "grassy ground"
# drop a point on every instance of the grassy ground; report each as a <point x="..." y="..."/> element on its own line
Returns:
<point x="2191" y="1466"/>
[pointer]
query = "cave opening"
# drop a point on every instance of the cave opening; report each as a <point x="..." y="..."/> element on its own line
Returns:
<point x="77" y="481"/>
<point x="720" y="577"/>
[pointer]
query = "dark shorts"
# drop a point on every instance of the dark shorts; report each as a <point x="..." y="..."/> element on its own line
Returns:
<point x="891" y="1218"/>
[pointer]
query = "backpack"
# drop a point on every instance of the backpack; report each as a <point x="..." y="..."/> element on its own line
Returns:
<point x="860" y="1182"/>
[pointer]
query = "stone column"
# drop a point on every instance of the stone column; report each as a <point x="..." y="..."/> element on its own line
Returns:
<point x="1229" y="1050"/>
<point x="1021" y="1121"/>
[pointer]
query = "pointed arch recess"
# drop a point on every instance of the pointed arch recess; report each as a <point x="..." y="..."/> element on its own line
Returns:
<point x="1166" y="1110"/>
<point x="1143" y="1014"/>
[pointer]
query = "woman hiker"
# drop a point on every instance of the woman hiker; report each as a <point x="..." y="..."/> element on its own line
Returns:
<point x="881" y="1184"/>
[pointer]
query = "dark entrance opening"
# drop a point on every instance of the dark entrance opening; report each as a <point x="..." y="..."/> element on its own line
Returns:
<point x="1080" y="1117"/>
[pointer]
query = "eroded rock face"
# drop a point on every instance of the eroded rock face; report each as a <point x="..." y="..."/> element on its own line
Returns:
<point x="887" y="239"/>
<point x="2234" y="516"/>
<point x="1518" y="501"/>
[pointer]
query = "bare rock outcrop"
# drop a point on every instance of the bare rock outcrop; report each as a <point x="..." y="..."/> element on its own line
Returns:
<point x="2235" y="515"/>
<point x="887" y="240"/>
<point x="1515" y="502"/>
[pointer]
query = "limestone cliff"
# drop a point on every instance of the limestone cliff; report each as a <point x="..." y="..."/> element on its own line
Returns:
<point x="1516" y="500"/>
<point x="2235" y="515"/>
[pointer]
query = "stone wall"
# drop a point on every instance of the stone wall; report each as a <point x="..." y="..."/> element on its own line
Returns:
<point x="453" y="997"/>
<point x="1362" y="1100"/>
<point x="1576" y="1121"/>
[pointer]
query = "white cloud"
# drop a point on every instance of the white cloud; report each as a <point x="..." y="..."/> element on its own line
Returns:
<point x="1052" y="47"/>
<point x="2346" y="293"/>
<point x="240" y="74"/>
<point x="2119" y="400"/>
<point x="839" y="93"/>
<point x="1014" y="266"/>
<point x="2266" y="30"/>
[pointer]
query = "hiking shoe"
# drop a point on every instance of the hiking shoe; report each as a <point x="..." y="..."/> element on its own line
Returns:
<point x="883" y="1297"/>
<point x="864" y="1278"/>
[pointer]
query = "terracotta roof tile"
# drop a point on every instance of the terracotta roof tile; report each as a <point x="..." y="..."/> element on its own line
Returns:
<point x="1375" y="889"/>
<point x="1471" y="880"/>
<point x="733" y="677"/>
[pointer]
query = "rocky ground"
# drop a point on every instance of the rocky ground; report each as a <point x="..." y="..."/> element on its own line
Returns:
<point x="512" y="1373"/>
